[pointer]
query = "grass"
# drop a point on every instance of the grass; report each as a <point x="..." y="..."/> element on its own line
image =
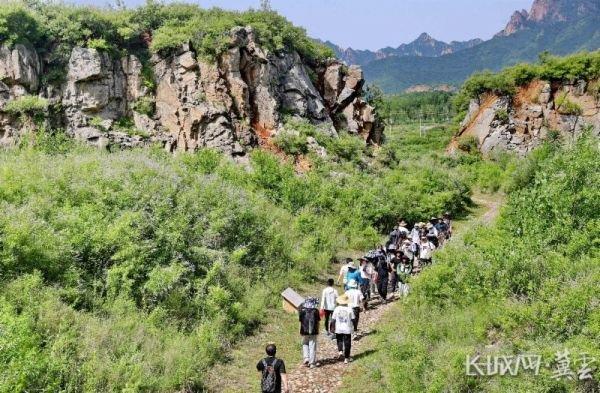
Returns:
<point x="238" y="374"/>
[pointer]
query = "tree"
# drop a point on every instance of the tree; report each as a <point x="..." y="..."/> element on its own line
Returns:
<point x="265" y="5"/>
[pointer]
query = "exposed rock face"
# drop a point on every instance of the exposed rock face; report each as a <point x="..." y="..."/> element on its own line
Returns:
<point x="522" y="123"/>
<point x="550" y="11"/>
<point x="342" y="90"/>
<point x="20" y="69"/>
<point x="232" y="104"/>
<point x="518" y="21"/>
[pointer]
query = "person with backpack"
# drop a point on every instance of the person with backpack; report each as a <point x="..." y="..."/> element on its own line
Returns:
<point x="342" y="319"/>
<point x="355" y="297"/>
<point x="353" y="274"/>
<point x="432" y="232"/>
<point x="426" y="254"/>
<point x="448" y="224"/>
<point x="272" y="371"/>
<point x="309" y="318"/>
<point x="383" y="271"/>
<point x="394" y="262"/>
<point x="404" y="271"/>
<point x="328" y="304"/>
<point x="367" y="273"/>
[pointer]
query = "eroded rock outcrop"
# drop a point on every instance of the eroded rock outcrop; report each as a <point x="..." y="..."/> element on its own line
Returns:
<point x="232" y="104"/>
<point x="538" y="111"/>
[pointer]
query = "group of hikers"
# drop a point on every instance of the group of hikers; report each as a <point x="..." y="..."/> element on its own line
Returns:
<point x="380" y="271"/>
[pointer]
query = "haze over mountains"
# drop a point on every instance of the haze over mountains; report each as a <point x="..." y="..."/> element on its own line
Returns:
<point x="558" y="26"/>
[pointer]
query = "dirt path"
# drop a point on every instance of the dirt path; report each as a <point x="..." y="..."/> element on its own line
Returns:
<point x="238" y="374"/>
<point x="328" y="377"/>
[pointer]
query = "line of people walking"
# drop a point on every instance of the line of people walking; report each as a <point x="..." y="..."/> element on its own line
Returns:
<point x="387" y="268"/>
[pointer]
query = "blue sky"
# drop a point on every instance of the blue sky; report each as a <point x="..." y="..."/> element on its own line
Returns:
<point x="374" y="24"/>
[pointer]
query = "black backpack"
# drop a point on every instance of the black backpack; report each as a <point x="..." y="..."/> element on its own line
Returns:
<point x="268" y="382"/>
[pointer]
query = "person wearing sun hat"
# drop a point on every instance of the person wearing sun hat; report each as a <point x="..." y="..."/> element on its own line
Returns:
<point x="342" y="318"/>
<point x="402" y="228"/>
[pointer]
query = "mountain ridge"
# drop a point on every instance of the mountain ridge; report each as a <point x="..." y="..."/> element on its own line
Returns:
<point x="423" y="46"/>
<point x="557" y="26"/>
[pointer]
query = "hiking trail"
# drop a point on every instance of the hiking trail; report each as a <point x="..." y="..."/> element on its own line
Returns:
<point x="239" y="374"/>
<point x="329" y="376"/>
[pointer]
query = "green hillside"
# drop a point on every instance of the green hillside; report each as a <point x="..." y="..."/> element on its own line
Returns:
<point x="396" y="74"/>
<point x="525" y="285"/>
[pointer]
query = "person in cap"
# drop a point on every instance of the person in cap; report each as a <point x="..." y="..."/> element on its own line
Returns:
<point x="309" y="329"/>
<point x="402" y="228"/>
<point x="342" y="318"/>
<point x="328" y="297"/>
<point x="353" y="273"/>
<point x="432" y="232"/>
<point x="355" y="297"/>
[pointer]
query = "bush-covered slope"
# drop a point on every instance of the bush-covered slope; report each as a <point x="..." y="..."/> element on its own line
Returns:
<point x="397" y="74"/>
<point x="528" y="284"/>
<point x="135" y="271"/>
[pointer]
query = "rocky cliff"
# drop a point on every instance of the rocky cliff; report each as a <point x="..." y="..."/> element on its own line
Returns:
<point x="550" y="11"/>
<point x="538" y="111"/>
<point x="232" y="104"/>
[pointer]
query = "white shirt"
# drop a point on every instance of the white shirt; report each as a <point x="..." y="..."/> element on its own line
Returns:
<point x="366" y="271"/>
<point x="344" y="272"/>
<point x="343" y="316"/>
<point x="416" y="236"/>
<point x="328" y="298"/>
<point x="426" y="250"/>
<point x="403" y="229"/>
<point x="355" y="296"/>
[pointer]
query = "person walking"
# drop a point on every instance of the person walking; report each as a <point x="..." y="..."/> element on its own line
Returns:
<point x="355" y="297"/>
<point x="394" y="263"/>
<point x="272" y="370"/>
<point x="352" y="274"/>
<point x="426" y="254"/>
<point x="328" y="297"/>
<point x="344" y="271"/>
<point x="383" y="270"/>
<point x="309" y="330"/>
<point x="404" y="271"/>
<point x="367" y="275"/>
<point x="342" y="317"/>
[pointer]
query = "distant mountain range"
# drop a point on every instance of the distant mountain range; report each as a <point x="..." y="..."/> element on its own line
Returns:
<point x="558" y="26"/>
<point x="424" y="45"/>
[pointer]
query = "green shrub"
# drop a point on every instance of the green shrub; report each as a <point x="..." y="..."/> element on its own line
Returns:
<point x="583" y="65"/>
<point x="502" y="115"/>
<point x="26" y="105"/>
<point x="468" y="144"/>
<point x="19" y="25"/>
<point x="291" y="143"/>
<point x="525" y="284"/>
<point x="99" y="44"/>
<point x="565" y="106"/>
<point x="144" y="105"/>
